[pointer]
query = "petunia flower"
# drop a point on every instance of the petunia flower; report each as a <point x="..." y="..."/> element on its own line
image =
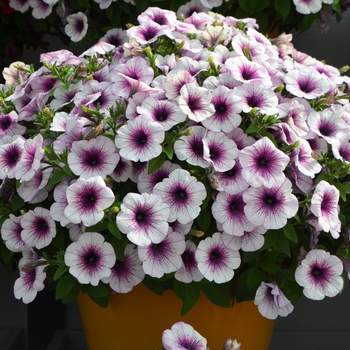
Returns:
<point x="9" y="125"/>
<point x="227" y="108"/>
<point x="195" y="102"/>
<point x="11" y="234"/>
<point x="30" y="158"/>
<point x="263" y="164"/>
<point x="11" y="149"/>
<point x="77" y="26"/>
<point x="183" y="193"/>
<point x="183" y="336"/>
<point x="87" y="199"/>
<point x="270" y="207"/>
<point x="256" y="94"/>
<point x="146" y="182"/>
<point x="324" y="205"/>
<point x="250" y="241"/>
<point x="140" y="139"/>
<point x="306" y="82"/>
<point x="189" y="271"/>
<point x="228" y="210"/>
<point x="320" y="275"/>
<point x="215" y="260"/>
<point x="272" y="302"/>
<point x="95" y="157"/>
<point x="143" y="218"/>
<point x="31" y="281"/>
<point x="40" y="8"/>
<point x="90" y="258"/>
<point x="190" y="146"/>
<point x="164" y="257"/>
<point x="219" y="150"/>
<point x="38" y="228"/>
<point x="35" y="190"/>
<point x="126" y="273"/>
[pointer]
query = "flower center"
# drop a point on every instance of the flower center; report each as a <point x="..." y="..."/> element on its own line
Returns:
<point x="197" y="146"/>
<point x="89" y="199"/>
<point x="140" y="138"/>
<point x="214" y="153"/>
<point x="162" y="114"/>
<point x="270" y="200"/>
<point x="187" y="258"/>
<point x="142" y="216"/>
<point x="220" y="108"/>
<point x="306" y="86"/>
<point x="317" y="273"/>
<point x="92" y="159"/>
<point x="91" y="258"/>
<point x="193" y="103"/>
<point x="180" y="194"/>
<point x="12" y="156"/>
<point x="215" y="256"/>
<point x="263" y="162"/>
<point x="41" y="225"/>
<point x="5" y="122"/>
<point x="254" y="101"/>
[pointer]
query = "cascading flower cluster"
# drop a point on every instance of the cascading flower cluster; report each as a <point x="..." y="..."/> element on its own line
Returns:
<point x="196" y="156"/>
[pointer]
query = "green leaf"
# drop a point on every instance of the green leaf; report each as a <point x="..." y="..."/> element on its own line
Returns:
<point x="321" y="177"/>
<point x="203" y="220"/>
<point x="5" y="253"/>
<point x="17" y="203"/>
<point x="263" y="20"/>
<point x="290" y="233"/>
<point x="337" y="7"/>
<point x="85" y="4"/>
<point x="155" y="286"/>
<point x="102" y="302"/>
<point x="270" y="239"/>
<point x="114" y="230"/>
<point x="109" y="12"/>
<point x="249" y="256"/>
<point x="141" y="5"/>
<point x="308" y="20"/>
<point x="99" y="291"/>
<point x="269" y="266"/>
<point x="64" y="286"/>
<point x="67" y="170"/>
<point x="57" y="177"/>
<point x="72" y="295"/>
<point x="292" y="291"/>
<point x="252" y="128"/>
<point x="60" y="271"/>
<point x="282" y="7"/>
<point x="253" y="6"/>
<point x="342" y="190"/>
<point x="100" y="226"/>
<point x="281" y="244"/>
<point x="155" y="163"/>
<point x="253" y="277"/>
<point x="119" y="246"/>
<point x="168" y="150"/>
<point x="189" y="294"/>
<point x="218" y="294"/>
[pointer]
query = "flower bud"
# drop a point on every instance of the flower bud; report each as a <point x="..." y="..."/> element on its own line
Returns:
<point x="231" y="345"/>
<point x="344" y="69"/>
<point x="279" y="88"/>
<point x="196" y="233"/>
<point x="33" y="265"/>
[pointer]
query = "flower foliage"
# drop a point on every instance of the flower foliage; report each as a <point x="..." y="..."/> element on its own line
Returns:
<point x="196" y="156"/>
<point x="31" y="23"/>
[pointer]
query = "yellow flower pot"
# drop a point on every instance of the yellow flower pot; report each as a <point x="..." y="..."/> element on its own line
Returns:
<point x="136" y="320"/>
